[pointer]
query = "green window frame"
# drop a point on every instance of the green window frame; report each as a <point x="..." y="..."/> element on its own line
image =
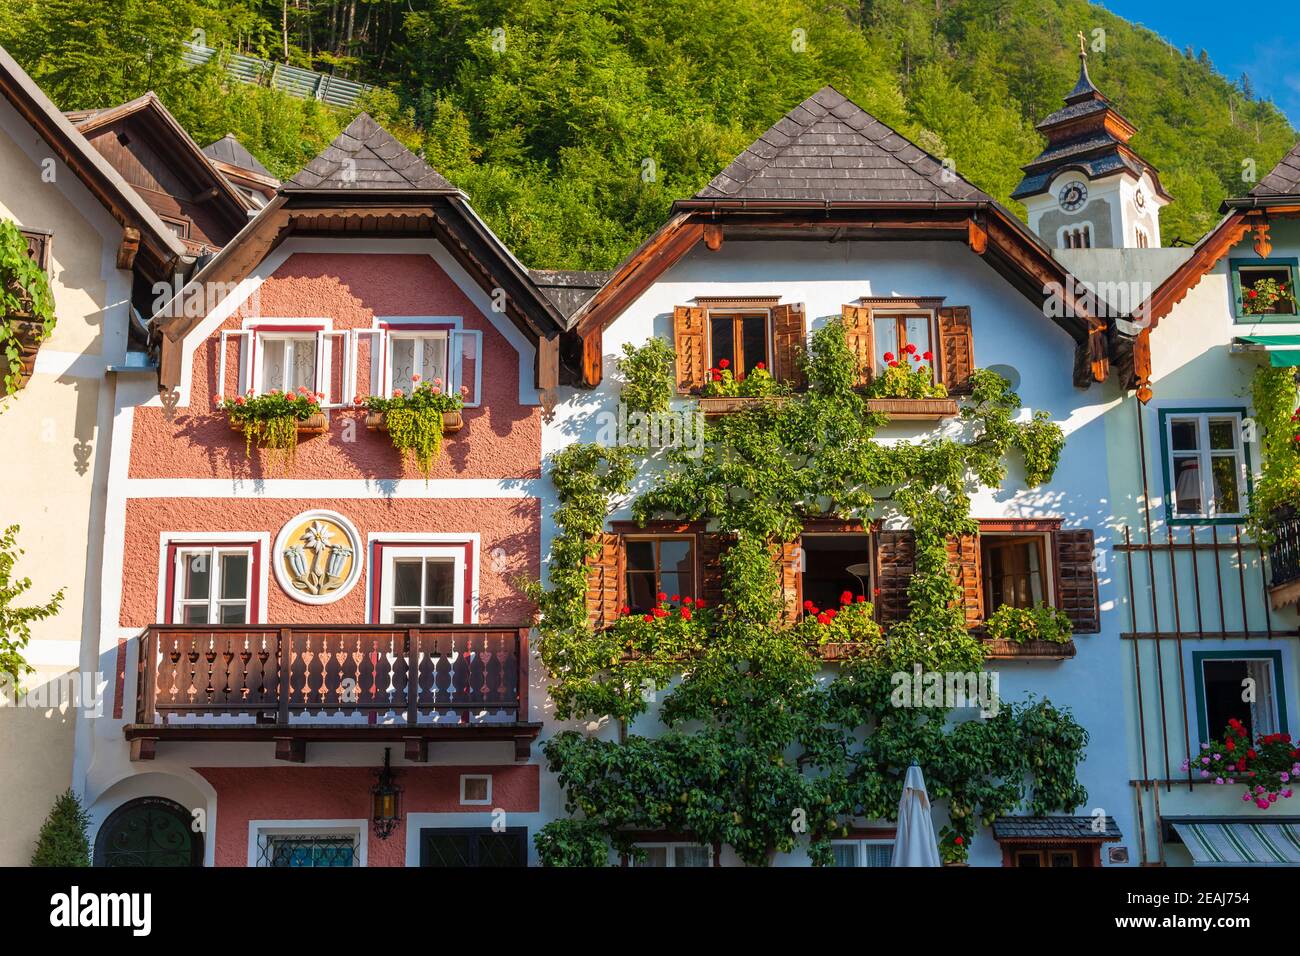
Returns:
<point x="1245" y="489"/>
<point x="1198" y="678"/>
<point x="1235" y="267"/>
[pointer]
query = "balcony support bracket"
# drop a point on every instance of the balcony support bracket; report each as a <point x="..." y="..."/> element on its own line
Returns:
<point x="417" y="749"/>
<point x="293" y="749"/>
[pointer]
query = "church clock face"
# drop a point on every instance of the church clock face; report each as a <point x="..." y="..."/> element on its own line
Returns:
<point x="1140" y="200"/>
<point x="1072" y="196"/>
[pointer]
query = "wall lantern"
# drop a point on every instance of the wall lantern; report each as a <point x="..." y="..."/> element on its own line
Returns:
<point x="386" y="800"/>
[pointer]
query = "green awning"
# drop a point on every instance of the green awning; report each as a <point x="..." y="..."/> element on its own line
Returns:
<point x="1283" y="350"/>
<point x="1238" y="842"/>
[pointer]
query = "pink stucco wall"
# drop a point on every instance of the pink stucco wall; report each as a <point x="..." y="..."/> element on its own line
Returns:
<point x="343" y="793"/>
<point x="511" y="525"/>
<point x="501" y="439"/>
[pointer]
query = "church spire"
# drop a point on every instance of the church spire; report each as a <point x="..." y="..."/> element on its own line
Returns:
<point x="1084" y="89"/>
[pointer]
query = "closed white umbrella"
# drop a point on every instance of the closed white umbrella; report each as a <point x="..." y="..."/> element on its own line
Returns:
<point x="915" y="843"/>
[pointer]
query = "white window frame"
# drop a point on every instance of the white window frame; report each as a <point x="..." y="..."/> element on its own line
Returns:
<point x="392" y="553"/>
<point x="416" y="335"/>
<point x="212" y="554"/>
<point x="1204" y="455"/>
<point x="381" y="357"/>
<point x="465" y="778"/>
<point x="254" y="334"/>
<point x="860" y="846"/>
<point x="259" y="830"/>
<point x="670" y="859"/>
<point x="290" y="340"/>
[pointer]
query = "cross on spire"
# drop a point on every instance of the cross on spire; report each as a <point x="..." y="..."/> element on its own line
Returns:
<point x="1083" y="49"/>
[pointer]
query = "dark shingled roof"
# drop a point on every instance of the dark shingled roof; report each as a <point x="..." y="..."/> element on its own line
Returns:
<point x="379" y="162"/>
<point x="231" y="151"/>
<point x="1284" y="180"/>
<point x="568" y="291"/>
<point x="1053" y="828"/>
<point x="830" y="149"/>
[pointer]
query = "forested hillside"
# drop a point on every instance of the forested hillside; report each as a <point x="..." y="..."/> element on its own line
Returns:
<point x="573" y="124"/>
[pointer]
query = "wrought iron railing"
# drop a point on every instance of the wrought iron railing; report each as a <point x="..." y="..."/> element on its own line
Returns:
<point x="1284" y="551"/>
<point x="420" y="675"/>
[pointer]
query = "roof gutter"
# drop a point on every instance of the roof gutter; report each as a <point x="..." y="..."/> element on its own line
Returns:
<point x="1260" y="202"/>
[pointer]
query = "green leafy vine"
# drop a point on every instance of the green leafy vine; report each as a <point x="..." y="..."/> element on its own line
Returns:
<point x="26" y="304"/>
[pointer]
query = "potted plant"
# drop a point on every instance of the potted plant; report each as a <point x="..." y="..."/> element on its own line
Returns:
<point x="274" y="420"/>
<point x="849" y="630"/>
<point x="26" y="308"/>
<point x="1022" y="624"/>
<point x="1262" y="297"/>
<point x="416" y="420"/>
<point x="1266" y="770"/>
<point x="725" y="391"/>
<point x="954" y="848"/>
<point x="907" y="388"/>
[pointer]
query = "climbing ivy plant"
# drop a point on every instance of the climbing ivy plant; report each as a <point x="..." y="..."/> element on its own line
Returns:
<point x="1277" y="492"/>
<point x="758" y="752"/>
<point x="26" y="305"/>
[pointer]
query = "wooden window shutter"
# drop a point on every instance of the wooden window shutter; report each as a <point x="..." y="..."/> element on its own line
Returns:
<point x="711" y="547"/>
<point x="689" y="325"/>
<point x="956" y="348"/>
<point x="964" y="563"/>
<point x="857" y="332"/>
<point x="789" y="557"/>
<point x="38" y="247"/>
<point x="604" y="582"/>
<point x="789" y="333"/>
<point x="1076" y="580"/>
<point x="895" y="562"/>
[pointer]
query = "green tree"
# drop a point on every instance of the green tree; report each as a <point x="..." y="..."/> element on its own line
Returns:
<point x="16" y="620"/>
<point x="62" y="840"/>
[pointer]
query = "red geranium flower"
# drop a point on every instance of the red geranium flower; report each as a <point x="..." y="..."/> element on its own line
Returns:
<point x="889" y="356"/>
<point x="688" y="601"/>
<point x="893" y="365"/>
<point x="909" y="348"/>
<point x="626" y="609"/>
<point x="677" y="597"/>
<point x="699" y="604"/>
<point x="928" y="356"/>
<point x="717" y="376"/>
<point x="822" y="619"/>
<point x="686" y="614"/>
<point x="661" y="596"/>
<point x="959" y="841"/>
<point x="846" y="597"/>
<point x="660" y="612"/>
<point x="1251" y="294"/>
<point x="808" y="605"/>
<point x="724" y="363"/>
<point x="861" y="599"/>
<point x="831" y="612"/>
<point x="648" y="619"/>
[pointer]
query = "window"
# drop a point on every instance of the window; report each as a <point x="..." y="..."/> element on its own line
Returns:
<point x="658" y="565"/>
<point x="1055" y="857"/>
<point x="180" y="228"/>
<point x="421" y="588"/>
<point x="862" y="852"/>
<point x="1015" y="570"/>
<point x="308" y="850"/>
<point x="833" y="564"/>
<point x="1247" y="272"/>
<point x="1141" y="237"/>
<point x="1245" y="686"/>
<point x="416" y="353"/>
<point x="287" y="362"/>
<point x="673" y="854"/>
<point x="476" y="788"/>
<point x="1206" y="469"/>
<point x="212" y="585"/>
<point x="1075" y="237"/>
<point x="474" y="847"/>
<point x="740" y="338"/>
<point x="894" y="333"/>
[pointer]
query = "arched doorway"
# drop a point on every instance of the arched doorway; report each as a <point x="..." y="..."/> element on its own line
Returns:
<point x="149" y="831"/>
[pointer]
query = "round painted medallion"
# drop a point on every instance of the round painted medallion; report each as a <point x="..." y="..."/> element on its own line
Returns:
<point x="318" y="557"/>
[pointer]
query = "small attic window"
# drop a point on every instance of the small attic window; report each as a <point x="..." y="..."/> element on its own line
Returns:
<point x="1264" y="277"/>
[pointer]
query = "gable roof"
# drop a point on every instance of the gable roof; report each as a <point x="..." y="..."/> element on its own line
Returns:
<point x="231" y="151"/>
<point x="365" y="156"/>
<point x="1283" y="179"/>
<point x="830" y="149"/>
<point x="189" y="153"/>
<point x="103" y="181"/>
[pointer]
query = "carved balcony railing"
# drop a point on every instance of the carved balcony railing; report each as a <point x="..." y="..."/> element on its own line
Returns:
<point x="331" y="683"/>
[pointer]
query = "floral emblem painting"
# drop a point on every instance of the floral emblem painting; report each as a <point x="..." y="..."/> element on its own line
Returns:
<point x="317" y="557"/>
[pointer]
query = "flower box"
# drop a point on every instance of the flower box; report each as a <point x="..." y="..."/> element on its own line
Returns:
<point x="717" y="406"/>
<point x="451" y="422"/>
<point x="1028" y="650"/>
<point x="316" y="424"/>
<point x="914" y="409"/>
<point x="29" y="332"/>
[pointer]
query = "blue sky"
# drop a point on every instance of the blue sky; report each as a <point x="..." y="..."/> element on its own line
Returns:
<point x="1258" y="37"/>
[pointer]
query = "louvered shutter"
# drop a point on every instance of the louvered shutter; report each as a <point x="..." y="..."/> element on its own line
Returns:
<point x="711" y="547"/>
<point x="895" y="563"/>
<point x="1076" y="580"/>
<point x="956" y="348"/>
<point x="789" y="561"/>
<point x="38" y="248"/>
<point x="603" y="579"/>
<point x="688" y="341"/>
<point x="857" y="332"/>
<point x="964" y="563"/>
<point x="789" y="333"/>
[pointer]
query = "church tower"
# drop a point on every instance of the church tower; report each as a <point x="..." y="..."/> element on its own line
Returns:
<point x="1087" y="189"/>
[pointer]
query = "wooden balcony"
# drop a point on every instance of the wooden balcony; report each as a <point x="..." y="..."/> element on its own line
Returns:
<point x="296" y="684"/>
